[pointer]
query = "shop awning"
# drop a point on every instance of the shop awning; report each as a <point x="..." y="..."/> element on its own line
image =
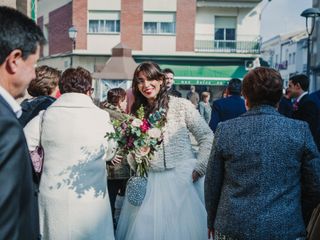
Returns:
<point x="205" y="74"/>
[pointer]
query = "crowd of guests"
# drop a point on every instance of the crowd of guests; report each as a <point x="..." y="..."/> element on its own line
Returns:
<point x="256" y="174"/>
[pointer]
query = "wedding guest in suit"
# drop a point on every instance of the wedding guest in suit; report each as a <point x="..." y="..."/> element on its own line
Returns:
<point x="285" y="105"/>
<point x="193" y="96"/>
<point x="20" y="41"/>
<point x="230" y="107"/>
<point x="73" y="198"/>
<point x="173" y="207"/>
<point x="169" y="74"/>
<point x="262" y="164"/>
<point x="43" y="90"/>
<point x="118" y="168"/>
<point x="305" y="108"/>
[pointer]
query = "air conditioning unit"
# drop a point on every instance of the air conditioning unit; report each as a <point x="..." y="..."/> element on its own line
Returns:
<point x="248" y="64"/>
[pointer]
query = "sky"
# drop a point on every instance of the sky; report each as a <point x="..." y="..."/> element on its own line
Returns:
<point x="282" y="16"/>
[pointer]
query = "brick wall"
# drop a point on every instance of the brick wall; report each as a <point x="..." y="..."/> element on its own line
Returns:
<point x="60" y="20"/>
<point x="131" y="23"/>
<point x="80" y="21"/>
<point x="185" y="25"/>
<point x="40" y="24"/>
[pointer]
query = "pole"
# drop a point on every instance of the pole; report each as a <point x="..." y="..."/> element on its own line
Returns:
<point x="308" y="56"/>
<point x="71" y="54"/>
<point x="71" y="61"/>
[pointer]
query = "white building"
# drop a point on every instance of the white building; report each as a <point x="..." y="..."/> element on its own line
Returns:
<point x="287" y="53"/>
<point x="205" y="42"/>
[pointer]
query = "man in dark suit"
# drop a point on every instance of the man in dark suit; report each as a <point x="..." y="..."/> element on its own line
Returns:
<point x="20" y="40"/>
<point x="169" y="75"/>
<point x="305" y="108"/>
<point x="230" y="107"/>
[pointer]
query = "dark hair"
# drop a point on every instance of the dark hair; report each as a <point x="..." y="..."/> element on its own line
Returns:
<point x="151" y="71"/>
<point x="46" y="81"/>
<point x="17" y="31"/>
<point x="115" y="95"/>
<point x="224" y="91"/>
<point x="234" y="86"/>
<point x="76" y="80"/>
<point x="262" y="85"/>
<point x="168" y="70"/>
<point x="302" y="79"/>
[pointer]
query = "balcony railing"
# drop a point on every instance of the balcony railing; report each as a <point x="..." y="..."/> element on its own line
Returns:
<point x="227" y="46"/>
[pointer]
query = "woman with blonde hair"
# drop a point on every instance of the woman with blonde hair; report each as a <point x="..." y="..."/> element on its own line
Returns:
<point x="43" y="89"/>
<point x="204" y="106"/>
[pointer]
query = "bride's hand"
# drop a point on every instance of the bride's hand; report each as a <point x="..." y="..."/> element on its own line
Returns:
<point x="195" y="176"/>
<point x="116" y="160"/>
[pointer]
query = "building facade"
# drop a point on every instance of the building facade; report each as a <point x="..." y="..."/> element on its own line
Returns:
<point x="287" y="53"/>
<point x="206" y="42"/>
<point x="28" y="7"/>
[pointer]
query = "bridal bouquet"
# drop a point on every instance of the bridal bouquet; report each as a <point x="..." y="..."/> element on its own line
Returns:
<point x="138" y="138"/>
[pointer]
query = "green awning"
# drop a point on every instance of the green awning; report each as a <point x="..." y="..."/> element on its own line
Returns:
<point x="205" y="74"/>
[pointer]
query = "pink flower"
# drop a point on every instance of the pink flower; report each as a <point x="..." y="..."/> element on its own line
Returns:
<point x="143" y="151"/>
<point x="124" y="125"/>
<point x="145" y="126"/>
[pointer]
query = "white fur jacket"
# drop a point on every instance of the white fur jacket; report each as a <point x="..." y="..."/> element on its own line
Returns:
<point x="183" y="118"/>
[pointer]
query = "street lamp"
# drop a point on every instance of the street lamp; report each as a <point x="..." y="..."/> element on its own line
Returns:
<point x="310" y="14"/>
<point x="72" y="31"/>
<point x="73" y="35"/>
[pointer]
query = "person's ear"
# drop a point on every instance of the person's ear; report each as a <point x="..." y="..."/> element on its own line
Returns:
<point x="247" y="102"/>
<point x="13" y="60"/>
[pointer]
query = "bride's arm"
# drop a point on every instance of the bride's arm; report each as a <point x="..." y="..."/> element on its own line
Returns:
<point x="203" y="135"/>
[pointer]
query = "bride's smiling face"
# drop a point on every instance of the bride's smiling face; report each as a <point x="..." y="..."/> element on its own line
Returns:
<point x="149" y="88"/>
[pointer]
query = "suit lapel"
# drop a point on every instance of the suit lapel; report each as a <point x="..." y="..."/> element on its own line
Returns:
<point x="10" y="111"/>
<point x="7" y="106"/>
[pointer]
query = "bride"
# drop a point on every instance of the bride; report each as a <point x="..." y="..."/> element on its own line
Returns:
<point x="173" y="207"/>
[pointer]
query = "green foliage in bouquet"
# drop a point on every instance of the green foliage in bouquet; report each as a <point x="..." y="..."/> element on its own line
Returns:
<point x="139" y="138"/>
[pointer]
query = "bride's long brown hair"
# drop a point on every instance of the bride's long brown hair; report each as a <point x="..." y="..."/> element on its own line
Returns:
<point x="152" y="71"/>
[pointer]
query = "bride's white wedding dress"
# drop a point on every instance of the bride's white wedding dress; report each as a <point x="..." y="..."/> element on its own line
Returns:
<point x="173" y="207"/>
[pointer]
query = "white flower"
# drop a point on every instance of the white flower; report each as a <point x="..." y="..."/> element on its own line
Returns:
<point x="138" y="160"/>
<point x="154" y="132"/>
<point x="136" y="122"/>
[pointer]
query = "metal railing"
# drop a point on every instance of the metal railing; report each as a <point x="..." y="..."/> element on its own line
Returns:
<point x="227" y="46"/>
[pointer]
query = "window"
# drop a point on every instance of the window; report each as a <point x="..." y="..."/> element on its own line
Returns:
<point x="225" y="28"/>
<point x="104" y="22"/>
<point x="159" y="23"/>
<point x="294" y="58"/>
